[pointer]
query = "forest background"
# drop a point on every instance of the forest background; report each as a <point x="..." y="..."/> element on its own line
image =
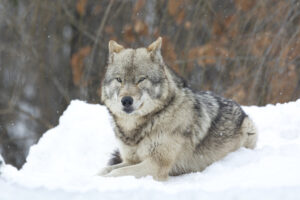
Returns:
<point x="54" y="51"/>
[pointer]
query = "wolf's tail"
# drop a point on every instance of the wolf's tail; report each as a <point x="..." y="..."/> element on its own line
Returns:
<point x="250" y="133"/>
<point x="116" y="158"/>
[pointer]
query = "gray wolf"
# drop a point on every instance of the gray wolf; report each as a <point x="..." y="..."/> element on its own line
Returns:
<point x="163" y="127"/>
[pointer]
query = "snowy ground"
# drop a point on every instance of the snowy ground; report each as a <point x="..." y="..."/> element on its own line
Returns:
<point x="64" y="162"/>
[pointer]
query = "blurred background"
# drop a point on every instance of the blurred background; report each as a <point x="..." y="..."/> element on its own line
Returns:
<point x="54" y="51"/>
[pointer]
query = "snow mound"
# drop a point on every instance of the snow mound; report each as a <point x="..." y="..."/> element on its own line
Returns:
<point x="67" y="157"/>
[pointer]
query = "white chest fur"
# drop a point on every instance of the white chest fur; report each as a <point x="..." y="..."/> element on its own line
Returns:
<point x="136" y="153"/>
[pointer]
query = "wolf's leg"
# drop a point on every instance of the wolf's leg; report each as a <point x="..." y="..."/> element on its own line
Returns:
<point x="145" y="168"/>
<point x="249" y="131"/>
<point x="108" y="169"/>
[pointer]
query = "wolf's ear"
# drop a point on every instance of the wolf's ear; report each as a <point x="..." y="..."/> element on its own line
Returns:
<point x="155" y="46"/>
<point x="114" y="47"/>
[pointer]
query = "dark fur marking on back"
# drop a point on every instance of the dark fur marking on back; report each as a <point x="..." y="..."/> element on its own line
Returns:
<point x="241" y="119"/>
<point x="218" y="116"/>
<point x="231" y="104"/>
<point x="197" y="104"/>
<point x="197" y="107"/>
<point x="225" y="108"/>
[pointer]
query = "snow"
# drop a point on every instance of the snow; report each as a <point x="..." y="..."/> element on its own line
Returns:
<point x="64" y="163"/>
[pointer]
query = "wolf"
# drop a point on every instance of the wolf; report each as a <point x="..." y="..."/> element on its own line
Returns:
<point x="162" y="126"/>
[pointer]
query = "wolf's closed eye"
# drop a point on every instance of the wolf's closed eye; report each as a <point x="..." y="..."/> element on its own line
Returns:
<point x="119" y="79"/>
<point x="141" y="79"/>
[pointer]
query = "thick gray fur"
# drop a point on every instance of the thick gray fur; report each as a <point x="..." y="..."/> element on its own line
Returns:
<point x="170" y="129"/>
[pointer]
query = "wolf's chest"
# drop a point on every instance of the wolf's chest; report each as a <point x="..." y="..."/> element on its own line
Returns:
<point x="136" y="153"/>
<point x="132" y="136"/>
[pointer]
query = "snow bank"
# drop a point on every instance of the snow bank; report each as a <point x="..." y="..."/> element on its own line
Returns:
<point x="64" y="162"/>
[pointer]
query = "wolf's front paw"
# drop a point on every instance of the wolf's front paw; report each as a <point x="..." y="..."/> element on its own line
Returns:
<point x="111" y="173"/>
<point x="104" y="171"/>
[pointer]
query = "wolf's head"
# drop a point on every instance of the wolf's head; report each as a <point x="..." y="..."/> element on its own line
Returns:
<point x="135" y="82"/>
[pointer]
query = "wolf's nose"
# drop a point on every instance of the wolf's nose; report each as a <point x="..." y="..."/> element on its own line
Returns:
<point x="127" y="101"/>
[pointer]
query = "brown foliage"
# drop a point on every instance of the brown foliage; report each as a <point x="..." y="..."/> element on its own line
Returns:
<point x="97" y="9"/>
<point x="283" y="84"/>
<point x="138" y="6"/>
<point x="109" y="29"/>
<point x="175" y="9"/>
<point x="244" y="5"/>
<point x="81" y="6"/>
<point x="236" y="92"/>
<point x="128" y="33"/>
<point x="207" y="54"/>
<point x="77" y="64"/>
<point x="140" y="27"/>
<point x="260" y="43"/>
<point x="169" y="54"/>
<point x="174" y="6"/>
